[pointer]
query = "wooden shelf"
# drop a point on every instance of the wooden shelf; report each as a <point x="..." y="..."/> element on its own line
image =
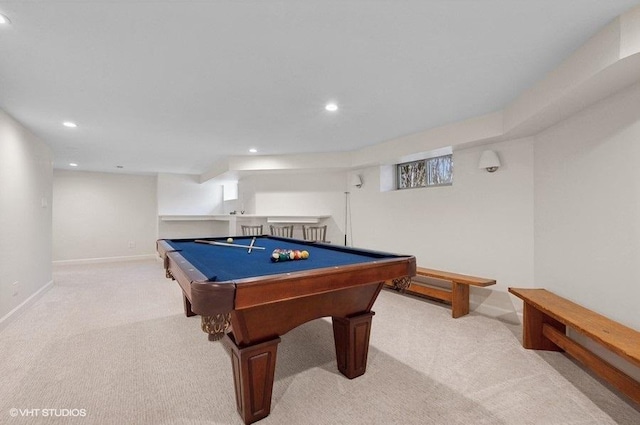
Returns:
<point x="189" y="217"/>
<point x="293" y="219"/>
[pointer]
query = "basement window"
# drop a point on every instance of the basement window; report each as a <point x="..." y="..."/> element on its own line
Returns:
<point x="429" y="172"/>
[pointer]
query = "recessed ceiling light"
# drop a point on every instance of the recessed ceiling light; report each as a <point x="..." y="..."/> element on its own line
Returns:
<point x="73" y="164"/>
<point x="70" y="124"/>
<point x="253" y="150"/>
<point x="4" y="19"/>
<point x="332" y="107"/>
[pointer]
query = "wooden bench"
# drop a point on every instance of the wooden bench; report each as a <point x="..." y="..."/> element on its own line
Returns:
<point x="546" y="317"/>
<point x="458" y="296"/>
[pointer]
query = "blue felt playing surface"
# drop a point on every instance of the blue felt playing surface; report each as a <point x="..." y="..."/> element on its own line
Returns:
<point x="221" y="263"/>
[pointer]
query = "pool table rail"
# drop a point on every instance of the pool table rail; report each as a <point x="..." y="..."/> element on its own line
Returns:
<point x="272" y="288"/>
<point x="201" y="296"/>
<point x="209" y="298"/>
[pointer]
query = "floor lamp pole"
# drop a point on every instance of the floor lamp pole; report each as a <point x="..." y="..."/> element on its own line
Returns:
<point x="346" y="215"/>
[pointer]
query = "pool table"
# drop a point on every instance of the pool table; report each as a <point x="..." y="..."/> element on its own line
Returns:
<point x="249" y="301"/>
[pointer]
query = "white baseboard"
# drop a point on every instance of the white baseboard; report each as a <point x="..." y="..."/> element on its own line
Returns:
<point x="7" y="318"/>
<point x="104" y="260"/>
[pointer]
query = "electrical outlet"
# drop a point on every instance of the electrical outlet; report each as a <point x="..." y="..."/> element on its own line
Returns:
<point x="15" y="288"/>
<point x="132" y="244"/>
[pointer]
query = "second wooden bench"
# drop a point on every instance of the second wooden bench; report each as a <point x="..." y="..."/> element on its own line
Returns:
<point x="458" y="296"/>
<point x="545" y="319"/>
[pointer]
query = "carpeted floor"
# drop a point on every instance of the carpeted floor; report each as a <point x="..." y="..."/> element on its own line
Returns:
<point x="109" y="342"/>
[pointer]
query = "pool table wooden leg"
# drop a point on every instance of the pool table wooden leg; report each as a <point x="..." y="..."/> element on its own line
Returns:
<point x="351" y="336"/>
<point x="253" y="371"/>
<point x="187" y="306"/>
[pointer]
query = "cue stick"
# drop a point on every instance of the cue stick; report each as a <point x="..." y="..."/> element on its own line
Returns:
<point x="233" y="245"/>
<point x="253" y="240"/>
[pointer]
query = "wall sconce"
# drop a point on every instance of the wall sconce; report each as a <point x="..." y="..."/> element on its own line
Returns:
<point x="356" y="181"/>
<point x="489" y="161"/>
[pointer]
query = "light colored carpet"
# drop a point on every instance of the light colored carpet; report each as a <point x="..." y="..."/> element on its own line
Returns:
<point x="112" y="339"/>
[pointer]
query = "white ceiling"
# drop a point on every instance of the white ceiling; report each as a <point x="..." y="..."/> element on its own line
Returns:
<point x="174" y="86"/>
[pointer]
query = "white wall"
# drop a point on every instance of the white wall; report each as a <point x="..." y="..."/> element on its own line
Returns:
<point x="481" y="225"/>
<point x="103" y="215"/>
<point x="306" y="193"/>
<point x="25" y="214"/>
<point x="587" y="208"/>
<point x="182" y="194"/>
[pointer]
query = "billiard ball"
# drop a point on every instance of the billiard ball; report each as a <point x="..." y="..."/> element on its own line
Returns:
<point x="229" y="240"/>
<point x="304" y="254"/>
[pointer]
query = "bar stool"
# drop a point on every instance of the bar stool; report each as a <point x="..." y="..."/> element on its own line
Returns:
<point x="252" y="230"/>
<point x="314" y="233"/>
<point x="282" y="231"/>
